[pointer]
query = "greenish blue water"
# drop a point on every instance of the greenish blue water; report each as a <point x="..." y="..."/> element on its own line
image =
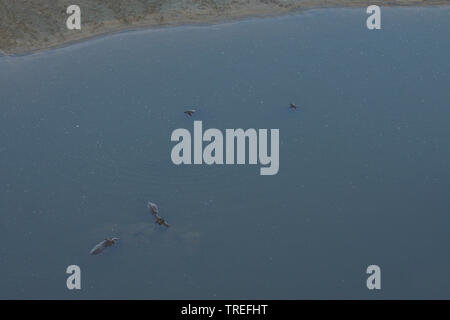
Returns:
<point x="364" y="163"/>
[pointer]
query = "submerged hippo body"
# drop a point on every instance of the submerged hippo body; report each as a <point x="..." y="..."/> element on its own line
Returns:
<point x="160" y="220"/>
<point x="103" y="245"/>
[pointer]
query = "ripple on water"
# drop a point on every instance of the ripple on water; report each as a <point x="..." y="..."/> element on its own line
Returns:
<point x="143" y="176"/>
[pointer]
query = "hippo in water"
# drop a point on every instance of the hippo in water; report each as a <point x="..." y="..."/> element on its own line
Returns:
<point x="103" y="245"/>
<point x="155" y="212"/>
<point x="190" y="112"/>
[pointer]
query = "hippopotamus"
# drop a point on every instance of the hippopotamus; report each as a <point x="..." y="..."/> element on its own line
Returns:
<point x="190" y="112"/>
<point x="103" y="245"/>
<point x="155" y="212"/>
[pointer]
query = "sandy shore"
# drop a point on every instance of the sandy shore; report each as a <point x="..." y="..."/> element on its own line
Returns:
<point x="28" y="26"/>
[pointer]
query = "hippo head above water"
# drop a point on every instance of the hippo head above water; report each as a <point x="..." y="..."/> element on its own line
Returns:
<point x="153" y="207"/>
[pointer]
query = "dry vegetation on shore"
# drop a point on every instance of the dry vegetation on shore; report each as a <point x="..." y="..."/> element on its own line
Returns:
<point x="39" y="24"/>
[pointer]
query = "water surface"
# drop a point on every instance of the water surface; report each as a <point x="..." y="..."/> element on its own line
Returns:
<point x="364" y="175"/>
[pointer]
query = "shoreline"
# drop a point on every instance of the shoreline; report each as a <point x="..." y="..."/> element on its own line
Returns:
<point x="94" y="31"/>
